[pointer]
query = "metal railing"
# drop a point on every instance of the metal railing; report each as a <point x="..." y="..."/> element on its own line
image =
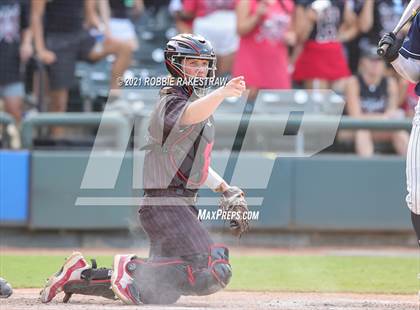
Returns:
<point x="5" y="120"/>
<point x="267" y="132"/>
<point x="262" y="122"/>
<point x="270" y="121"/>
<point x="116" y="120"/>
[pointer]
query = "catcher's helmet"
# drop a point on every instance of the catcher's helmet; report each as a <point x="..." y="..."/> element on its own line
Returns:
<point x="190" y="46"/>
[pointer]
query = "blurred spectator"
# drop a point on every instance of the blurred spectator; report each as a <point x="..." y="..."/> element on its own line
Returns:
<point x="115" y="15"/>
<point x="183" y="22"/>
<point x="15" y="50"/>
<point x="375" y="18"/>
<point x="154" y="6"/>
<point x="61" y="40"/>
<point x="409" y="98"/>
<point x="322" y="26"/>
<point x="265" y="30"/>
<point x="372" y="95"/>
<point x="216" y="21"/>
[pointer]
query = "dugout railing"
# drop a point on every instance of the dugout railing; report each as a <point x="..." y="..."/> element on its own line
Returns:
<point x="117" y="122"/>
<point x="5" y="120"/>
<point x="264" y="132"/>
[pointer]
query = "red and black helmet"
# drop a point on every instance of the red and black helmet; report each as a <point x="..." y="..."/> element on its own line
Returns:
<point x="187" y="45"/>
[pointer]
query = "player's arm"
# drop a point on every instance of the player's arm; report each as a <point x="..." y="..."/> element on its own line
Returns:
<point x="408" y="68"/>
<point x="202" y="108"/>
<point x="404" y="57"/>
<point x="215" y="182"/>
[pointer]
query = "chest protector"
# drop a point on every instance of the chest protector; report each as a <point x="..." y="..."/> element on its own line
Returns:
<point x="184" y="154"/>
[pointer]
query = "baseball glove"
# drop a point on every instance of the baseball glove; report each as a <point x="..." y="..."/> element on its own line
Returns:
<point x="233" y="202"/>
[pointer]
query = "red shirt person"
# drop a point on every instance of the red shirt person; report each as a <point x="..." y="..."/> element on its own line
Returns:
<point x="216" y="21"/>
<point x="265" y="31"/>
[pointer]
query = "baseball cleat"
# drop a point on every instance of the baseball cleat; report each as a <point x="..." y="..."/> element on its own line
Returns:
<point x="71" y="270"/>
<point x="121" y="280"/>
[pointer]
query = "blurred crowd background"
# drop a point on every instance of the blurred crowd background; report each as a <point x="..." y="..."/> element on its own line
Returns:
<point x="66" y="55"/>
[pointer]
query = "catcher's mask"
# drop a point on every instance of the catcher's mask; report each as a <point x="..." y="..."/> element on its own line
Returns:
<point x="190" y="46"/>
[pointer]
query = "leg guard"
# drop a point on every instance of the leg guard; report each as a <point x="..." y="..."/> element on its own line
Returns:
<point x="93" y="281"/>
<point x="215" y="276"/>
<point x="159" y="281"/>
<point x="164" y="280"/>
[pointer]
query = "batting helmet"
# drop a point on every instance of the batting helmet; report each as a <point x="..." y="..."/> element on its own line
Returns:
<point x="190" y="46"/>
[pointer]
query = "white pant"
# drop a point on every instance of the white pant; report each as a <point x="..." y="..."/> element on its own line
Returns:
<point x="413" y="165"/>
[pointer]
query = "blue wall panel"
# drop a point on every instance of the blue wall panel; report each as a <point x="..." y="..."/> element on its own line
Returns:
<point x="14" y="187"/>
<point x="349" y="193"/>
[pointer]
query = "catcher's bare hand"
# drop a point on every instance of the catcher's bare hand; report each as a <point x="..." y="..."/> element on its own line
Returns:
<point x="234" y="88"/>
<point x="233" y="201"/>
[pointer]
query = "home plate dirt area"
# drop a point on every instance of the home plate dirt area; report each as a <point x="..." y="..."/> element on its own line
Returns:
<point x="28" y="299"/>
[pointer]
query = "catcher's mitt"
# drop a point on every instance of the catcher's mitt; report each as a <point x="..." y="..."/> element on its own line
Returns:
<point x="233" y="202"/>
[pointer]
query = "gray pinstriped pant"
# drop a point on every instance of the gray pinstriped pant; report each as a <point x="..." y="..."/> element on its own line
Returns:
<point x="174" y="230"/>
<point x="413" y="165"/>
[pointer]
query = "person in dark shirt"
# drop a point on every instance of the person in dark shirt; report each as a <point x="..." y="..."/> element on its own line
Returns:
<point x="372" y="95"/>
<point x="322" y="26"/>
<point x="15" y="50"/>
<point x="61" y="39"/>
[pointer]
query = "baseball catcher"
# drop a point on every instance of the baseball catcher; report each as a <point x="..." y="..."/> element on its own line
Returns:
<point x="183" y="258"/>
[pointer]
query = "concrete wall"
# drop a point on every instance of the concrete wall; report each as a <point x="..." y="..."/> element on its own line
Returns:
<point x="321" y="193"/>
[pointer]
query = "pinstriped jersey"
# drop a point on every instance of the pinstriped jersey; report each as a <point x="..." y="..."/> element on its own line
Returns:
<point x="411" y="45"/>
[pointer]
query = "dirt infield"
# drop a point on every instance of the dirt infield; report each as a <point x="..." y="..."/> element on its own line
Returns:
<point x="28" y="299"/>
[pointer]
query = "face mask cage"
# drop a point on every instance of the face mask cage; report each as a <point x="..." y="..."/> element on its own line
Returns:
<point x="200" y="85"/>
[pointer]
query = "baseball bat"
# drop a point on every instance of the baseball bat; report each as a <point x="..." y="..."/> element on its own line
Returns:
<point x="409" y="13"/>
